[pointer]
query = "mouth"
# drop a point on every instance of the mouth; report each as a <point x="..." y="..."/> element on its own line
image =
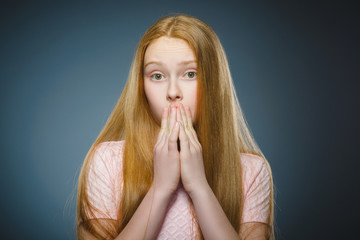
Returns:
<point x="177" y="105"/>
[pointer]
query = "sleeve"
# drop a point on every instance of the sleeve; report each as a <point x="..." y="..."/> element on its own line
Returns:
<point x="101" y="185"/>
<point x="257" y="196"/>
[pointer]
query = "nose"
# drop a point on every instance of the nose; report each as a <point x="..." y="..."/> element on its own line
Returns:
<point x="174" y="93"/>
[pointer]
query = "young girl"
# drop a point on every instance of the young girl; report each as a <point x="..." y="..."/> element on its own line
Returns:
<point x="176" y="159"/>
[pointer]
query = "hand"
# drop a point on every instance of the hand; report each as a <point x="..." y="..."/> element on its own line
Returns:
<point x="191" y="159"/>
<point x="166" y="154"/>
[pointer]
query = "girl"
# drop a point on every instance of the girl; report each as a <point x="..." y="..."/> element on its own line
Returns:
<point x="176" y="159"/>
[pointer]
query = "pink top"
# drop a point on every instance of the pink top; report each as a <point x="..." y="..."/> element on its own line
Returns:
<point x="105" y="183"/>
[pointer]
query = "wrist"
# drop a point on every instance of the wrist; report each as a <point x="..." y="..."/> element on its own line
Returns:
<point x="201" y="191"/>
<point x="161" y="192"/>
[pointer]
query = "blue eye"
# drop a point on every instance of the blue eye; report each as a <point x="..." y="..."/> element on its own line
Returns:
<point x="191" y="74"/>
<point x="157" y="76"/>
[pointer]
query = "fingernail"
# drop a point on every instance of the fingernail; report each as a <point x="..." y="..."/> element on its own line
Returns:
<point x="177" y="124"/>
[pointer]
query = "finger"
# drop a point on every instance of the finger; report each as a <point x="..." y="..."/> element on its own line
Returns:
<point x="183" y="116"/>
<point x="172" y="143"/>
<point x="163" y="127"/>
<point x="164" y="118"/>
<point x="189" y="121"/>
<point x="162" y="140"/>
<point x="184" y="140"/>
<point x="186" y="127"/>
<point x="160" y="137"/>
<point x="159" y="145"/>
<point x="172" y="118"/>
<point x="188" y="116"/>
<point x="178" y="114"/>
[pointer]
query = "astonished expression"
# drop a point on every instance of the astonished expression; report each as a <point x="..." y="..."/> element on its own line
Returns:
<point x="170" y="75"/>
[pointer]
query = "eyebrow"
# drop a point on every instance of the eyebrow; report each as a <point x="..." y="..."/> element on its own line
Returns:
<point x="161" y="64"/>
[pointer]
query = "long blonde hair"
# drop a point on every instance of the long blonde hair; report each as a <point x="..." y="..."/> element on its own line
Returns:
<point x="221" y="128"/>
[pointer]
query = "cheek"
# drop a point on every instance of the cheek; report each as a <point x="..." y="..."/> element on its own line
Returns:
<point x="154" y="100"/>
<point x="193" y="104"/>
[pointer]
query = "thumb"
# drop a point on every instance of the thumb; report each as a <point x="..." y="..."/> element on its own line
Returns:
<point x="174" y="137"/>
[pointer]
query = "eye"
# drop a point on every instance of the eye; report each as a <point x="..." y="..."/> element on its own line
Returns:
<point x="191" y="74"/>
<point x="157" y="76"/>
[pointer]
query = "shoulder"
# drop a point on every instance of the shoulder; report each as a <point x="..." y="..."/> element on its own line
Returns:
<point x="255" y="171"/>
<point x="110" y="147"/>
<point x="108" y="157"/>
<point x="252" y="162"/>
<point x="105" y="179"/>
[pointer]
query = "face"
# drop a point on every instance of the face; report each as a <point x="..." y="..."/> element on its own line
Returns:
<point x="170" y="75"/>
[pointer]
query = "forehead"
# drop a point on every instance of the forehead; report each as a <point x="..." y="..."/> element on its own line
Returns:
<point x="169" y="49"/>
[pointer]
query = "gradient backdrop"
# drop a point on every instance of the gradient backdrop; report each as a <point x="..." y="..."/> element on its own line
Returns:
<point x="295" y="66"/>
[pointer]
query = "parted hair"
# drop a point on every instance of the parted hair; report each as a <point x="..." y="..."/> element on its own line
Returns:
<point x="220" y="126"/>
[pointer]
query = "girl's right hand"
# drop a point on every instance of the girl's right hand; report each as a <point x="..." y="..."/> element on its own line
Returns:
<point x="166" y="154"/>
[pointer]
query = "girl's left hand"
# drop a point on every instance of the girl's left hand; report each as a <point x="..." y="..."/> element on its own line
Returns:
<point x="191" y="159"/>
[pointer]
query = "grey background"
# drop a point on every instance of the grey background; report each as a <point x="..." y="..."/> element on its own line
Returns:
<point x="295" y="66"/>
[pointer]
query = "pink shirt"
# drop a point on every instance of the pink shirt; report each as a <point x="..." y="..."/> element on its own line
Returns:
<point x="105" y="182"/>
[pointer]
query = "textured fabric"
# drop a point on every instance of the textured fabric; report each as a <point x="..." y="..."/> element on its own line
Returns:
<point x="105" y="183"/>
